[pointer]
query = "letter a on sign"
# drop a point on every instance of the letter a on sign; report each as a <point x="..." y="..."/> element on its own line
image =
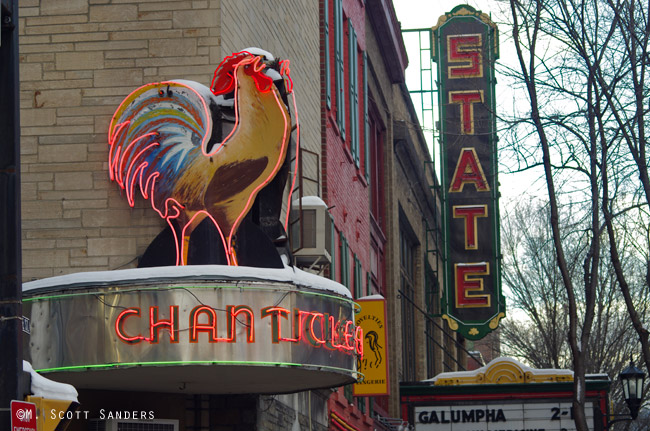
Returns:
<point x="465" y="46"/>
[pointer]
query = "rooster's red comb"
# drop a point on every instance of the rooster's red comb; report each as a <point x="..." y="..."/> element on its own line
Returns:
<point x="224" y="76"/>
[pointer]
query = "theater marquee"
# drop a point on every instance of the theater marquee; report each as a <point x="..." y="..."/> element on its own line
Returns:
<point x="201" y="329"/>
<point x="504" y="395"/>
<point x="465" y="47"/>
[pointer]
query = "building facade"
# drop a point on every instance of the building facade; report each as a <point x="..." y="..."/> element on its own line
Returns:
<point x="379" y="185"/>
<point x="362" y="153"/>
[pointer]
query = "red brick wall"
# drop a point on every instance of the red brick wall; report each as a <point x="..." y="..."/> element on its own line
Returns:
<point x="345" y="188"/>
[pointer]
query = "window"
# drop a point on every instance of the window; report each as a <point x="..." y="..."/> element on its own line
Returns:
<point x="339" y="66"/>
<point x="377" y="261"/>
<point x="432" y="301"/>
<point x="407" y="287"/>
<point x="358" y="283"/>
<point x="361" y="404"/>
<point x="366" y="131"/>
<point x="328" y="84"/>
<point x="376" y="166"/>
<point x="345" y="261"/>
<point x="348" y="393"/>
<point x="354" y="92"/>
<point x="330" y="245"/>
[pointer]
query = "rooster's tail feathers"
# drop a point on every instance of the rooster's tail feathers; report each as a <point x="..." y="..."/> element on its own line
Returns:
<point x="156" y="132"/>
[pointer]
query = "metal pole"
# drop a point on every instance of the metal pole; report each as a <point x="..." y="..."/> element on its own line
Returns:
<point x="11" y="365"/>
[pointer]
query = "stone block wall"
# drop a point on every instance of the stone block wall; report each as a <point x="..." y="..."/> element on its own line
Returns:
<point x="78" y="60"/>
<point x="290" y="30"/>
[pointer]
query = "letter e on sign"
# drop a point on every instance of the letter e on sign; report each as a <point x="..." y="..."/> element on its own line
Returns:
<point x="468" y="281"/>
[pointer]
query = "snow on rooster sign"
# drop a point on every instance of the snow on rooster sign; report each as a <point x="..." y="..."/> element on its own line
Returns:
<point x="204" y="157"/>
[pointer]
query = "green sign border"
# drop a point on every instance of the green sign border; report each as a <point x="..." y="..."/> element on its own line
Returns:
<point x="470" y="329"/>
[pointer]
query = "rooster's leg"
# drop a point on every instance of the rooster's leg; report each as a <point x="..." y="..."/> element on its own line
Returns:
<point x="188" y="221"/>
<point x="178" y="240"/>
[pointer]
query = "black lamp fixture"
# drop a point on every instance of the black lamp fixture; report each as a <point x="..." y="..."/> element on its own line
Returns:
<point x="632" y="379"/>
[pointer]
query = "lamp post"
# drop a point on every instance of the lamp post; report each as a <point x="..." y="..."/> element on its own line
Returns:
<point x="632" y="380"/>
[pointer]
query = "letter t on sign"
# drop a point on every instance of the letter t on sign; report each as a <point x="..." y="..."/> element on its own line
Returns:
<point x="470" y="213"/>
<point x="466" y="99"/>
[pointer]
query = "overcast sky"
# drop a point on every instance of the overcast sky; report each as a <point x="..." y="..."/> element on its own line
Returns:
<point x="422" y="14"/>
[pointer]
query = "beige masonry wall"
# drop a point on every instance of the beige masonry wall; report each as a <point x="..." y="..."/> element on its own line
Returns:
<point x="79" y="59"/>
<point x="288" y="29"/>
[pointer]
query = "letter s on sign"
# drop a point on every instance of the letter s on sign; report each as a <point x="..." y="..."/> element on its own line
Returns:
<point x="466" y="50"/>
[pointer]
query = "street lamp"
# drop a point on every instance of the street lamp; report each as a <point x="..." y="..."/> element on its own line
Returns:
<point x="632" y="380"/>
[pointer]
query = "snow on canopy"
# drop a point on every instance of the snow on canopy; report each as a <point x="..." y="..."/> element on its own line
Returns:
<point x="190" y="272"/>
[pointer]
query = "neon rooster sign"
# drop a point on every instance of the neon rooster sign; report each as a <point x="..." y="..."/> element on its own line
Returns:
<point x="204" y="154"/>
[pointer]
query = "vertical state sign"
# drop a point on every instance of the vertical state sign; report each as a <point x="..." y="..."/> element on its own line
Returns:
<point x="465" y="47"/>
<point x="373" y="364"/>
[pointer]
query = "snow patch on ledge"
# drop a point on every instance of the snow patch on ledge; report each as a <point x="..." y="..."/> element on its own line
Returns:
<point x="313" y="201"/>
<point x="189" y="273"/>
<point x="370" y="297"/>
<point x="46" y="388"/>
<point x="494" y="362"/>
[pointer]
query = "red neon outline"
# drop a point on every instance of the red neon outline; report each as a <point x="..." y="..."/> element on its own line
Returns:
<point x="182" y="248"/>
<point x="131" y="187"/>
<point x="295" y="168"/>
<point x="315" y="315"/>
<point x="111" y="142"/>
<point x="119" y="324"/>
<point x="262" y="81"/>
<point x="117" y="158"/>
<point x="172" y="322"/>
<point x="358" y="341"/>
<point x="196" y="327"/>
<point x="125" y="154"/>
<point x="236" y="126"/>
<point x="150" y="180"/>
<point x="303" y="322"/>
<point x="334" y="330"/>
<point x="126" y="179"/>
<point x="275" y="313"/>
<point x="250" y="329"/>
<point x="280" y="337"/>
<point x="229" y="77"/>
<point x="253" y="194"/>
<point x="285" y="70"/>
<point x="299" y="322"/>
<point x="328" y="334"/>
<point x="347" y="335"/>
<point x="171" y="225"/>
<point x="223" y="81"/>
